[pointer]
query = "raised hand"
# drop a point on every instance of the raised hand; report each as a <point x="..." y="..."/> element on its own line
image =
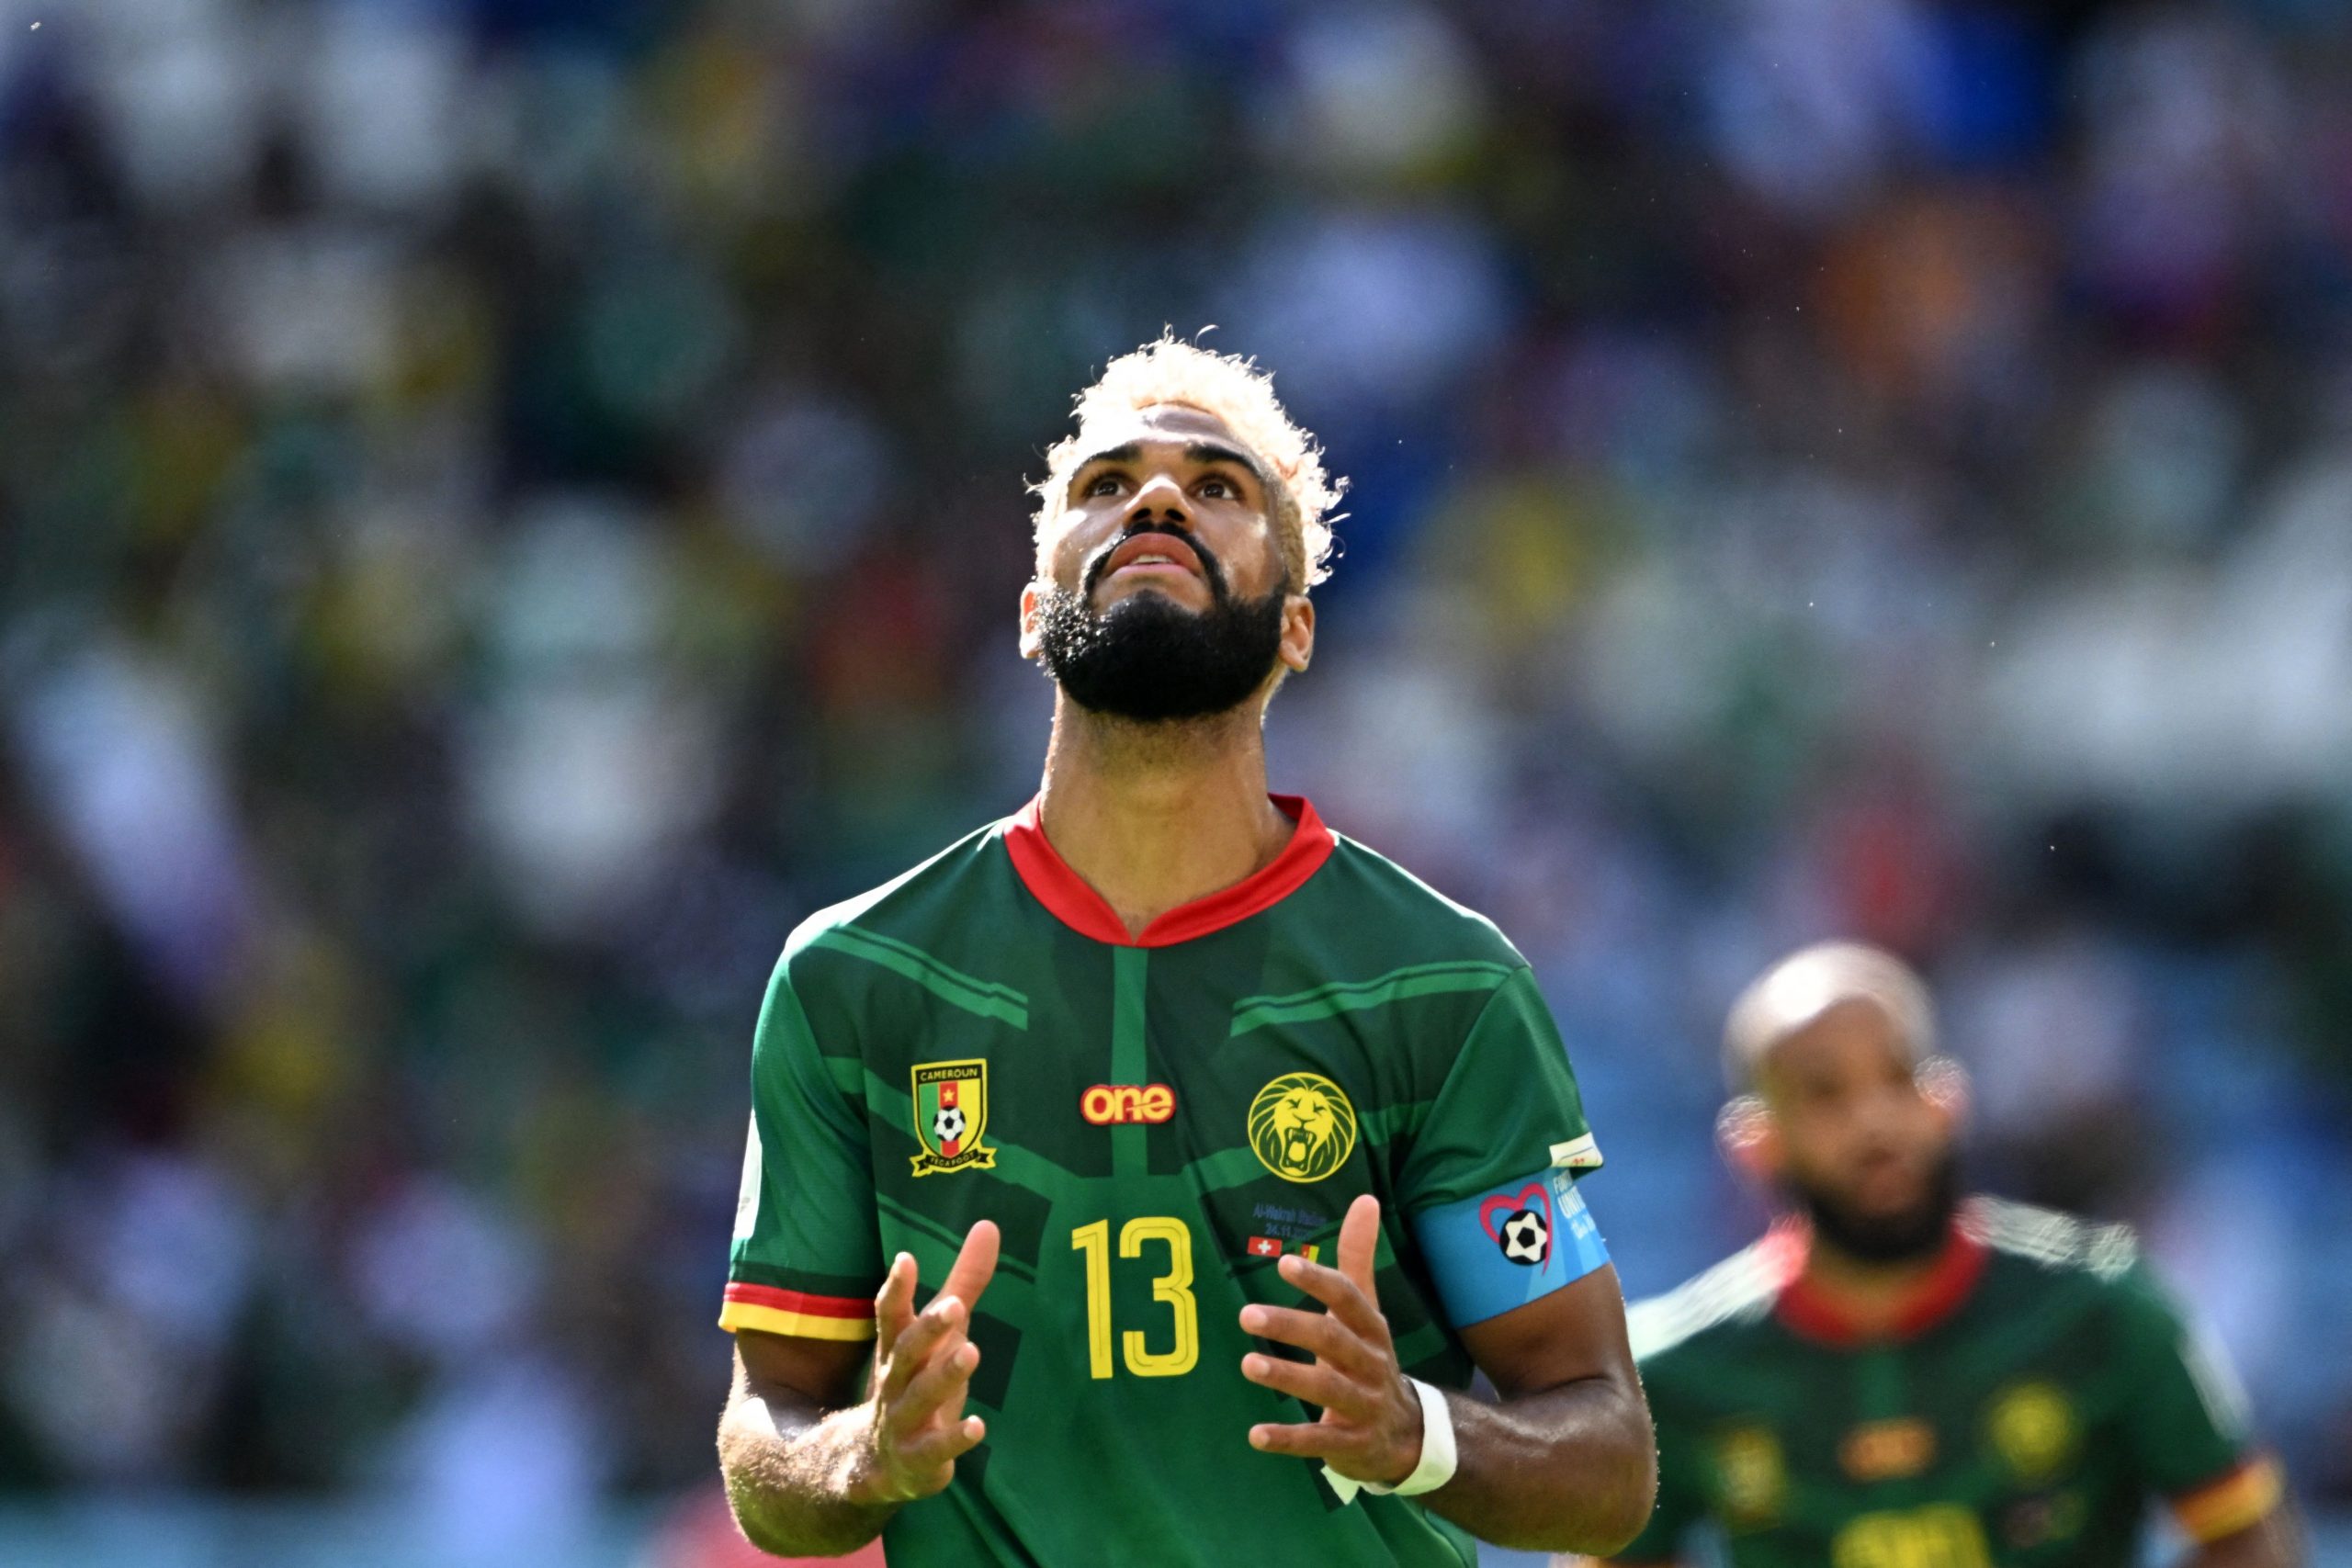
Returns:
<point x="923" y="1370"/>
<point x="1371" y="1425"/>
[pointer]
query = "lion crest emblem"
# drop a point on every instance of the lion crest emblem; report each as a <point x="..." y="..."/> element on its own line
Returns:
<point x="1301" y="1127"/>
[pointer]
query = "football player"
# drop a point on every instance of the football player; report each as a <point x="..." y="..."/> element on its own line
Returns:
<point x="1895" y="1376"/>
<point x="1142" y="1178"/>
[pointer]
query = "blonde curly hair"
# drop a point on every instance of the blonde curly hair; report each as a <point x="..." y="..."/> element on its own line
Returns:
<point x="1169" y="370"/>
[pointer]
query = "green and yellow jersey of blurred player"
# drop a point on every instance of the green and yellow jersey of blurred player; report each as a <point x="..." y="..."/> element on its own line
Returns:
<point x="2036" y="1391"/>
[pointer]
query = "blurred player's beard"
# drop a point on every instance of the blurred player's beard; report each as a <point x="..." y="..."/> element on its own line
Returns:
<point x="1910" y="1237"/>
<point x="1149" y="659"/>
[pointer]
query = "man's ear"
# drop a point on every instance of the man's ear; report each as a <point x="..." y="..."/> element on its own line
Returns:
<point x="1033" y="636"/>
<point x="1943" y="1083"/>
<point x="1297" y="649"/>
<point x="1745" y="1132"/>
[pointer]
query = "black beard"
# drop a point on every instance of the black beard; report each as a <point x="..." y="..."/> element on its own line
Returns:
<point x="1912" y="1237"/>
<point x="1150" y="659"/>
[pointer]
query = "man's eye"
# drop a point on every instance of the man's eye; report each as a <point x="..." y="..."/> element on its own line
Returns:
<point x="1217" y="489"/>
<point x="1107" y="484"/>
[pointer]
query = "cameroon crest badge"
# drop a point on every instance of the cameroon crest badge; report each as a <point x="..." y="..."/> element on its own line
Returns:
<point x="1301" y="1127"/>
<point x="2032" y="1427"/>
<point x="951" y="1113"/>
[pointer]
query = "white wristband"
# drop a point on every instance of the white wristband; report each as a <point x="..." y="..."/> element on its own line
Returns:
<point x="1438" y="1457"/>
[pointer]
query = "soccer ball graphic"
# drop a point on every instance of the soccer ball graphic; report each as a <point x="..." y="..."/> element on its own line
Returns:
<point x="1526" y="1239"/>
<point x="947" y="1123"/>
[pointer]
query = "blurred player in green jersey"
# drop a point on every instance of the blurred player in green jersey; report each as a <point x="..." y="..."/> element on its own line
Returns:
<point x="1142" y="1178"/>
<point x="1895" y="1377"/>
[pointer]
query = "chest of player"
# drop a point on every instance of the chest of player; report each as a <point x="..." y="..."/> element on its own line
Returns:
<point x="1152" y="1129"/>
<point x="1966" y="1449"/>
<point x="1109" y="1063"/>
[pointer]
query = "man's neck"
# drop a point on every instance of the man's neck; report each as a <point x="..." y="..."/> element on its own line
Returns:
<point x="1154" y="816"/>
<point x="1873" y="1294"/>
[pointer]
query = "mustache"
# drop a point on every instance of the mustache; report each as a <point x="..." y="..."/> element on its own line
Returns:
<point x="1210" y="566"/>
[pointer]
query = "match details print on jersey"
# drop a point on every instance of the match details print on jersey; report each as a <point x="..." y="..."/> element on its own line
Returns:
<point x="1153" y="1124"/>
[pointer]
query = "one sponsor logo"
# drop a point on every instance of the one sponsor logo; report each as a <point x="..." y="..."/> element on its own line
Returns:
<point x="2032" y="1426"/>
<point x="1521" y="1224"/>
<point x="1301" y="1127"/>
<point x="1113" y="1104"/>
<point x="1754" y="1479"/>
<point x="951" y="1113"/>
<point x="1577" y="1154"/>
<point x="1888" y="1451"/>
<point x="1265" y="1247"/>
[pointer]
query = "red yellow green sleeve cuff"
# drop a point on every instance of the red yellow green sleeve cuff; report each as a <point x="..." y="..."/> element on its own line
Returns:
<point x="774" y="1311"/>
<point x="2238" y="1500"/>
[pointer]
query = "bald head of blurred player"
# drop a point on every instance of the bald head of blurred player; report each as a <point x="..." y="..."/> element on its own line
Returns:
<point x="1842" y="1103"/>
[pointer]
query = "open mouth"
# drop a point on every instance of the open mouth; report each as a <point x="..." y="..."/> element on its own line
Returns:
<point x="1154" y="554"/>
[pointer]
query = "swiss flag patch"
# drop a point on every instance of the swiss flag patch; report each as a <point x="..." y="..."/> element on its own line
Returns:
<point x="1265" y="1247"/>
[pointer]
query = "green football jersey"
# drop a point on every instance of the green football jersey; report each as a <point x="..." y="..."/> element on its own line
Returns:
<point x="1153" y="1122"/>
<point x="2037" y="1392"/>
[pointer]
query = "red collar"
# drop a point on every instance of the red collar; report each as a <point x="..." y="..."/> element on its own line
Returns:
<point x="1819" y="1313"/>
<point x="1066" y="894"/>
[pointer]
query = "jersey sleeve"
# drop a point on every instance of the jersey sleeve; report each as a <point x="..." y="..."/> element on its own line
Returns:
<point x="1488" y="1181"/>
<point x="2185" y="1420"/>
<point x="807" y="1254"/>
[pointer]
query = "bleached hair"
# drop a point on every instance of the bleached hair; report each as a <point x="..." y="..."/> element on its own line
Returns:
<point x="1170" y="370"/>
<point x="1808" y="983"/>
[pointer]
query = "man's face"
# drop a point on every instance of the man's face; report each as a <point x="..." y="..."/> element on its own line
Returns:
<point x="1866" y="1150"/>
<point x="1162" y="591"/>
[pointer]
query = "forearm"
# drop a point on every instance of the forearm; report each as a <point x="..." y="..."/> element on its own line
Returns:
<point x="1572" y="1469"/>
<point x="793" y="1470"/>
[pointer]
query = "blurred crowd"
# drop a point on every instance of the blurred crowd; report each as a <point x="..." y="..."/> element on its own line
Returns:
<point x="508" y="505"/>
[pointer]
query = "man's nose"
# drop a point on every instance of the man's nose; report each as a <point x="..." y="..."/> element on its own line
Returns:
<point x="1160" y="495"/>
<point x="1884" y="1116"/>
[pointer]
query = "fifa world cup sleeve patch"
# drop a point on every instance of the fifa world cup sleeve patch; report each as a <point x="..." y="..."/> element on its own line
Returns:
<point x="1508" y="1245"/>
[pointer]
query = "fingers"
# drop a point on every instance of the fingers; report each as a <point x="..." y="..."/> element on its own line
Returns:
<point x="1322" y="1333"/>
<point x="1348" y="1302"/>
<point x="1313" y="1440"/>
<point x="938" y="1327"/>
<point x="894" y="1305"/>
<point x="1316" y="1383"/>
<point x="922" y="1466"/>
<point x="935" y="1451"/>
<point x="975" y="1264"/>
<point x="1360" y="1243"/>
<point x="939" y="1388"/>
<point x="908" y="1341"/>
<point x="920" y="1436"/>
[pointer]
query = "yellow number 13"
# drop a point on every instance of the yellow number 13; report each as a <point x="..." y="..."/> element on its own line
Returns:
<point x="1174" y="1288"/>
